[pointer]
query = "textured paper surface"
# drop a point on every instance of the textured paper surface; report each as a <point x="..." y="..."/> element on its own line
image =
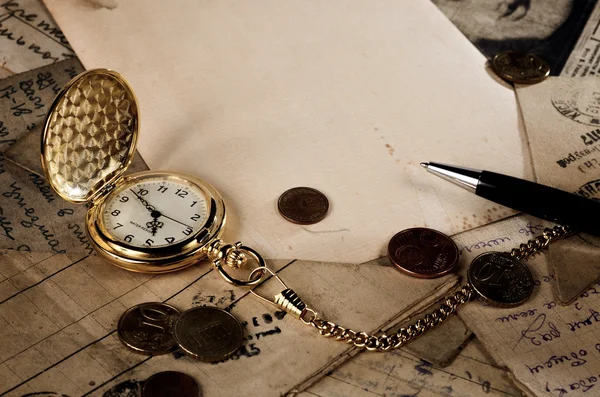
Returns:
<point x="59" y="334"/>
<point x="398" y="374"/>
<point x="345" y="97"/>
<point x="562" y="117"/>
<point x="552" y="350"/>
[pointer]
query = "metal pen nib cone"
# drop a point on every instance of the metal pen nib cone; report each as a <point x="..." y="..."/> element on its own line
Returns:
<point x="467" y="178"/>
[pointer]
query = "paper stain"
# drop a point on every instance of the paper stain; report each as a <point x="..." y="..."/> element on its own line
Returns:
<point x="390" y="149"/>
<point x="108" y="4"/>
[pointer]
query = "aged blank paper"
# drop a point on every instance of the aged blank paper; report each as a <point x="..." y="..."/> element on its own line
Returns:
<point x="552" y="350"/>
<point x="562" y="116"/>
<point x="343" y="96"/>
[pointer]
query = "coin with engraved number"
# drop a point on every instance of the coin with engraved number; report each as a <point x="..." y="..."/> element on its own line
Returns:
<point x="303" y="205"/>
<point x="208" y="333"/>
<point x="423" y="253"/>
<point x="501" y="279"/>
<point x="171" y="384"/>
<point x="520" y="67"/>
<point x="147" y="328"/>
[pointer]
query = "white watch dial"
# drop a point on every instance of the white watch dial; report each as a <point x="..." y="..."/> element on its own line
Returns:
<point x="155" y="212"/>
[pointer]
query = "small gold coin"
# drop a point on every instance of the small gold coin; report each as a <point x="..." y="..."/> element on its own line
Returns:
<point x="208" y="333"/>
<point x="520" y="67"/>
<point x="303" y="205"/>
<point x="146" y="328"/>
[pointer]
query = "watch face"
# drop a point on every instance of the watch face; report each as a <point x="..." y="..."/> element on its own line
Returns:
<point x="154" y="212"/>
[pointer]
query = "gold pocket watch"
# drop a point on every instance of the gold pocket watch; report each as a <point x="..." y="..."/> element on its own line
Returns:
<point x="152" y="221"/>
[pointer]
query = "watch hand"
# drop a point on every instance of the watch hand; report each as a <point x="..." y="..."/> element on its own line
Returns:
<point x="149" y="207"/>
<point x="155" y="224"/>
<point x="175" y="220"/>
<point x="154" y="212"/>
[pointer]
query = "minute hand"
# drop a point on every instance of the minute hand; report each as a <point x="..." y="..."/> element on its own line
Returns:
<point x="175" y="220"/>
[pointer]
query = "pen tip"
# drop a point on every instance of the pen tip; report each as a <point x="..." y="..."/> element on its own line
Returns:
<point x="424" y="165"/>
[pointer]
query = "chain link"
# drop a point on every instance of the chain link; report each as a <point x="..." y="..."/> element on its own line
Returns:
<point x="540" y="242"/>
<point x="404" y="335"/>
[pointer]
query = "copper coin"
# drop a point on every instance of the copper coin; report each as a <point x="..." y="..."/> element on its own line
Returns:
<point x="520" y="67"/>
<point x="208" y="333"/>
<point x="423" y="253"/>
<point x="501" y="279"/>
<point x="147" y="328"/>
<point x="303" y="205"/>
<point x="171" y="384"/>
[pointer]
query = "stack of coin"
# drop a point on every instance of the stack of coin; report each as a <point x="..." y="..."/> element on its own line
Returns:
<point x="207" y="333"/>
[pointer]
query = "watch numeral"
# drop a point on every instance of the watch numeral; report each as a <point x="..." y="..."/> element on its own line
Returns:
<point x="143" y="192"/>
<point x="115" y="212"/>
<point x="194" y="203"/>
<point x="181" y="192"/>
<point x="163" y="189"/>
<point x="195" y="217"/>
<point x="129" y="238"/>
<point x="188" y="231"/>
<point x="170" y="239"/>
<point x="149" y="243"/>
<point x="118" y="226"/>
<point x="124" y="199"/>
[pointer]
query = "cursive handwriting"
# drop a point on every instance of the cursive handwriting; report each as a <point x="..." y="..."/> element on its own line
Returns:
<point x="31" y="220"/>
<point x="81" y="236"/>
<point x="40" y="184"/>
<point x="593" y="318"/>
<point x="574" y="358"/>
<point x="530" y="229"/>
<point x="15" y="10"/>
<point x="516" y="316"/>
<point x="5" y="225"/>
<point x="536" y="334"/>
<point x="484" y="244"/>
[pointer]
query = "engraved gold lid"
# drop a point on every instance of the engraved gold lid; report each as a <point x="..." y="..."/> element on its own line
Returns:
<point x="90" y="134"/>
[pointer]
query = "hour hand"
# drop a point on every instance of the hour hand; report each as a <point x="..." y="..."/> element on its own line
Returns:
<point x="149" y="207"/>
<point x="154" y="225"/>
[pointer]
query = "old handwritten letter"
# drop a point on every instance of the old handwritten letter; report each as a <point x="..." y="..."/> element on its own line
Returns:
<point x="29" y="37"/>
<point x="562" y="117"/>
<point x="552" y="350"/>
<point x="344" y="96"/>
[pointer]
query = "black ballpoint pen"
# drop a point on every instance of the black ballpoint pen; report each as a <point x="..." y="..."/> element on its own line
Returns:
<point x="542" y="201"/>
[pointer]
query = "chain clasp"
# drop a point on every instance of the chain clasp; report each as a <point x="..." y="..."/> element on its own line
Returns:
<point x="287" y="299"/>
<point x="235" y="256"/>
